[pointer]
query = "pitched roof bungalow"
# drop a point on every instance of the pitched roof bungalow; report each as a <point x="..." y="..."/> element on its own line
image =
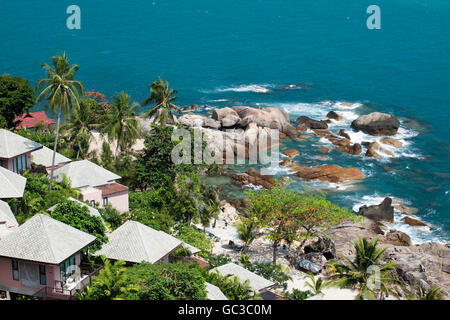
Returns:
<point x="15" y="151"/>
<point x="30" y="120"/>
<point x="214" y="293"/>
<point x="257" y="283"/>
<point x="44" y="157"/>
<point x="42" y="258"/>
<point x="8" y="221"/>
<point x="134" y="242"/>
<point x="98" y="185"/>
<point x="12" y="185"/>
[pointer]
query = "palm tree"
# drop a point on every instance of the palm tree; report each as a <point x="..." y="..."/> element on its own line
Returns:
<point x="80" y="127"/>
<point x="61" y="92"/>
<point x="433" y="293"/>
<point x="163" y="96"/>
<point x="315" y="285"/>
<point x="123" y="125"/>
<point x="364" y="270"/>
<point x="110" y="284"/>
<point x="246" y="232"/>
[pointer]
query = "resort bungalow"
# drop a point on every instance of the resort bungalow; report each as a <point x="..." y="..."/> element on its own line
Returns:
<point x="134" y="242"/>
<point x="214" y="293"/>
<point x="42" y="258"/>
<point x="98" y="186"/>
<point x="11" y="185"/>
<point x="257" y="283"/>
<point x="44" y="157"/>
<point x="32" y="119"/>
<point x="15" y="151"/>
<point x="8" y="221"/>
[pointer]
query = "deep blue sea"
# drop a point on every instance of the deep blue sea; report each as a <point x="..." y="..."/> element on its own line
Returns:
<point x="224" y="53"/>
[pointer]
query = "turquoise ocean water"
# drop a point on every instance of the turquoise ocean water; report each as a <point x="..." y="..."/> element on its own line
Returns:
<point x="224" y="53"/>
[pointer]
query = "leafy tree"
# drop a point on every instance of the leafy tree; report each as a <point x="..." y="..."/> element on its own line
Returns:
<point x="298" y="295"/>
<point x="122" y="124"/>
<point x="218" y="260"/>
<point x="71" y="213"/>
<point x="16" y="98"/>
<point x="110" y="284"/>
<point x="364" y="270"/>
<point x="152" y="218"/>
<point x="289" y="216"/>
<point x="232" y="287"/>
<point x="60" y="91"/>
<point x="269" y="271"/>
<point x="112" y="217"/>
<point x="37" y="198"/>
<point x="163" y="96"/>
<point x="194" y="237"/>
<point x="165" y="281"/>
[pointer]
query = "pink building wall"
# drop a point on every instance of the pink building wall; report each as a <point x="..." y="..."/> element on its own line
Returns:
<point x="7" y="283"/>
<point x="119" y="201"/>
<point x="95" y="195"/>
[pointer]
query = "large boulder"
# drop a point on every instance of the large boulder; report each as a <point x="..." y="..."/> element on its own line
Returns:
<point x="325" y="246"/>
<point x="255" y="178"/>
<point x="398" y="238"/>
<point x="377" y="124"/>
<point x="230" y="120"/>
<point x="414" y="222"/>
<point x="219" y="114"/>
<point x="381" y="212"/>
<point x="272" y="118"/>
<point x="311" y="123"/>
<point x="331" y="173"/>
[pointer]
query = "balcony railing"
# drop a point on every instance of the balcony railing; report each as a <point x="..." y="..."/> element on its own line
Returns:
<point x="60" y="290"/>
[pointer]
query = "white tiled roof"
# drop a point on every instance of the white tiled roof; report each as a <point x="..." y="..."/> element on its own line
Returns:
<point x="135" y="242"/>
<point x="12" y="145"/>
<point x="43" y="239"/>
<point x="214" y="293"/>
<point x="257" y="283"/>
<point x="7" y="215"/>
<point x="44" y="157"/>
<point x="85" y="173"/>
<point x="11" y="185"/>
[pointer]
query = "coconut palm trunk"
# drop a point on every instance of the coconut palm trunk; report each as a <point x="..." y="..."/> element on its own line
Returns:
<point x="58" y="121"/>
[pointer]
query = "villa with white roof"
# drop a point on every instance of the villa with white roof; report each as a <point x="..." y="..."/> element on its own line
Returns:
<point x="42" y="258"/>
<point x="44" y="157"/>
<point x="98" y="185"/>
<point x="12" y="185"/>
<point x="15" y="151"/>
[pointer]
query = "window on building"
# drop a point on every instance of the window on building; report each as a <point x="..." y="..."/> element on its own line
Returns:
<point x="105" y="201"/>
<point x="67" y="268"/>
<point x="93" y="203"/>
<point x="15" y="270"/>
<point x="20" y="164"/>
<point x="42" y="276"/>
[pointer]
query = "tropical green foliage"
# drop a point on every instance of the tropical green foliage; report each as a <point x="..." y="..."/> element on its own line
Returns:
<point x="110" y="284"/>
<point x="289" y="216"/>
<point x="194" y="237"/>
<point x="77" y="216"/>
<point x="432" y="293"/>
<point x="163" y="97"/>
<point x="123" y="126"/>
<point x="112" y="217"/>
<point x="247" y="232"/>
<point x="165" y="281"/>
<point x="218" y="260"/>
<point x="366" y="273"/>
<point x="270" y="271"/>
<point x="60" y="92"/>
<point x="16" y="98"/>
<point x="37" y="198"/>
<point x="316" y="285"/>
<point x="298" y="295"/>
<point x="232" y="287"/>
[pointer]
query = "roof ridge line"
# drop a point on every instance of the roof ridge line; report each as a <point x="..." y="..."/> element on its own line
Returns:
<point x="47" y="236"/>
<point x="141" y="240"/>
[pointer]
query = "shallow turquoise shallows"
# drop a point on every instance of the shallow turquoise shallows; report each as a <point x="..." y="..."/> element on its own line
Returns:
<point x="235" y="52"/>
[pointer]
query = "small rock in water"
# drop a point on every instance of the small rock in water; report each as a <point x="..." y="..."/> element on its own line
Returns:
<point x="414" y="222"/>
<point x="392" y="142"/>
<point x="291" y="153"/>
<point x="325" y="149"/>
<point x="335" y="116"/>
